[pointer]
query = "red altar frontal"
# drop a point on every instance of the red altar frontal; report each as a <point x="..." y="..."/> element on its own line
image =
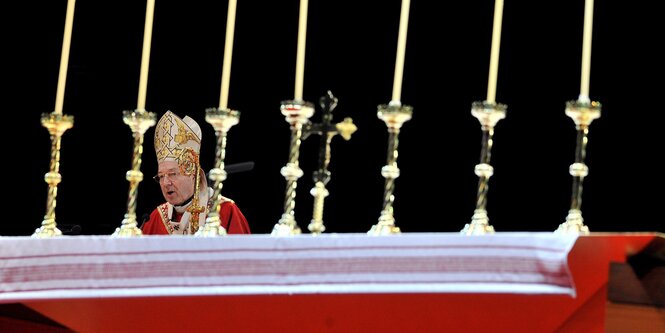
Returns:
<point x="429" y="282"/>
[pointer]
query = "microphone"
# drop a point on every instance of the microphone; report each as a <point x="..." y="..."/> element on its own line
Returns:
<point x="234" y="168"/>
<point x="239" y="167"/>
<point x="73" y="231"/>
<point x="144" y="218"/>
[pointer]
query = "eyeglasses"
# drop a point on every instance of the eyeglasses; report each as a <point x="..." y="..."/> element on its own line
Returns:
<point x="169" y="175"/>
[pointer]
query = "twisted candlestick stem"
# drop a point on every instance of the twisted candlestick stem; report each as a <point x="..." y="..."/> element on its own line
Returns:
<point x="221" y="120"/>
<point x="297" y="113"/>
<point x="488" y="114"/>
<point x="394" y="115"/>
<point x="220" y="156"/>
<point x="583" y="113"/>
<point x="53" y="175"/>
<point x="578" y="177"/>
<point x="138" y="121"/>
<point x="291" y="179"/>
<point x="132" y="175"/>
<point x="56" y="124"/>
<point x="393" y="144"/>
<point x="483" y="181"/>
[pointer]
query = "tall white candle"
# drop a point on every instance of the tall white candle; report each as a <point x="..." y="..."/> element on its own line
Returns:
<point x="586" y="51"/>
<point x="64" y="57"/>
<point x="300" y="55"/>
<point x="401" y="50"/>
<point x="145" y="59"/>
<point x="228" y="52"/>
<point x="494" y="53"/>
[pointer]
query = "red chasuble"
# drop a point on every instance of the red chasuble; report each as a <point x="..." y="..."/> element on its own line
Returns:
<point x="231" y="218"/>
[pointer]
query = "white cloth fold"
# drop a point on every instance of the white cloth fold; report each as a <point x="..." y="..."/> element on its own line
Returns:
<point x="94" y="266"/>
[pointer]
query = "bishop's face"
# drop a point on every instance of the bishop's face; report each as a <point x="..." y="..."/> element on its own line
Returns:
<point x="176" y="188"/>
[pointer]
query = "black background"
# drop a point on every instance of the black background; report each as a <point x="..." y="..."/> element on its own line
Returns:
<point x="350" y="50"/>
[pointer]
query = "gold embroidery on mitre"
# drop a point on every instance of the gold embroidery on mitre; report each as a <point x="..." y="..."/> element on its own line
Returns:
<point x="185" y="135"/>
<point x="188" y="162"/>
<point x="176" y="140"/>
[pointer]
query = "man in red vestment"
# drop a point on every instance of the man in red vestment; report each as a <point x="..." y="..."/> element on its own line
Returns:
<point x="183" y="183"/>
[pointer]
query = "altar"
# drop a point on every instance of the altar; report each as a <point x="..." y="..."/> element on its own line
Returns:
<point x="418" y="282"/>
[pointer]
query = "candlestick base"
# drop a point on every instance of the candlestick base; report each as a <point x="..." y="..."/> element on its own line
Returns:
<point x="286" y="226"/>
<point x="47" y="230"/>
<point x="574" y="224"/>
<point x="316" y="227"/>
<point x="211" y="228"/>
<point x="128" y="228"/>
<point x="480" y="224"/>
<point x="385" y="226"/>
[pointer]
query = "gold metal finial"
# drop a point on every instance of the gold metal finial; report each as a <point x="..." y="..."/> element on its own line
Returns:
<point x="394" y="115"/>
<point x="297" y="114"/>
<point x="221" y="120"/>
<point x="582" y="112"/>
<point x="56" y="124"/>
<point x="488" y="114"/>
<point x="346" y="127"/>
<point x="138" y="121"/>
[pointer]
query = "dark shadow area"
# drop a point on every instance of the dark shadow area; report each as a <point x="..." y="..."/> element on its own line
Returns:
<point x="351" y="52"/>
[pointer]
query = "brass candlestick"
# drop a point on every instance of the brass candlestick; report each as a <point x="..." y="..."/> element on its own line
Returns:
<point x="138" y="121"/>
<point x="488" y="114"/>
<point x="221" y="120"/>
<point x="327" y="130"/>
<point x="56" y="124"/>
<point x="296" y="113"/>
<point x="394" y="115"/>
<point x="582" y="113"/>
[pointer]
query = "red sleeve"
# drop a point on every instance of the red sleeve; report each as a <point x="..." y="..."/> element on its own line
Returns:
<point x="154" y="226"/>
<point x="232" y="219"/>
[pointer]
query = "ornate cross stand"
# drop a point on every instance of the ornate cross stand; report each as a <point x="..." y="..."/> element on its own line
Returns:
<point x="327" y="130"/>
